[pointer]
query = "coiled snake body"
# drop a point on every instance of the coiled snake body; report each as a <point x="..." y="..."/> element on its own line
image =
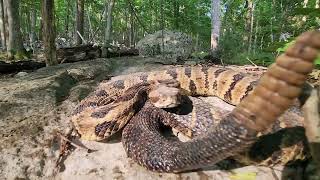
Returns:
<point x="116" y="102"/>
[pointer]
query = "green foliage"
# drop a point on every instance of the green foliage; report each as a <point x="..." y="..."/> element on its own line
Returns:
<point x="199" y="55"/>
<point x="287" y="45"/>
<point x="271" y="19"/>
<point x="307" y="11"/>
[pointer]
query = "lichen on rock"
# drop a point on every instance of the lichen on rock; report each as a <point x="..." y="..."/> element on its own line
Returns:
<point x="175" y="44"/>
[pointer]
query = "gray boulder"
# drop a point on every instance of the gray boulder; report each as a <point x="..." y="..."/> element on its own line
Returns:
<point x="176" y="44"/>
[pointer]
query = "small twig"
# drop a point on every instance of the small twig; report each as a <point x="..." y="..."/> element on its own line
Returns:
<point x="73" y="144"/>
<point x="137" y="17"/>
<point x="221" y="61"/>
<point x="84" y="41"/>
<point x="63" y="60"/>
<point x="251" y="62"/>
<point x="65" y="149"/>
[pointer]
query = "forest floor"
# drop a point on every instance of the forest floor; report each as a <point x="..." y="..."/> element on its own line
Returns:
<point x="34" y="108"/>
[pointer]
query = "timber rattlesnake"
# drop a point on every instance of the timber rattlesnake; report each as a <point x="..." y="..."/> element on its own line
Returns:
<point x="115" y="102"/>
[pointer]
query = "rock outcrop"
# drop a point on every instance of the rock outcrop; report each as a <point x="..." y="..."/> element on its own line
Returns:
<point x="175" y="44"/>
<point x="34" y="106"/>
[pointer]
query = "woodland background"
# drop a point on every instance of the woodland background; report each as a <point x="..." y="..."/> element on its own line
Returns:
<point x="236" y="31"/>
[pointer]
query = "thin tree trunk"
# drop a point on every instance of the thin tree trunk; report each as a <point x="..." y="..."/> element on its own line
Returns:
<point x="251" y="28"/>
<point x="246" y="37"/>
<point x="66" y="20"/>
<point x="132" y="7"/>
<point x="261" y="43"/>
<point x="162" y="27"/>
<point x="197" y="36"/>
<point x="79" y="22"/>
<point x="152" y="16"/>
<point x="271" y="32"/>
<point x="127" y="20"/>
<point x="27" y="25"/>
<point x="131" y="29"/>
<point x="317" y="6"/>
<point x="91" y="35"/>
<point x="33" y="27"/>
<point x="271" y="24"/>
<point x="15" y="45"/>
<point x="197" y="43"/>
<point x="40" y="37"/>
<point x="305" y="2"/>
<point x="215" y="25"/>
<point x="108" y="21"/>
<point x="2" y="27"/>
<point x="255" y="37"/>
<point x="6" y="24"/>
<point x="176" y="8"/>
<point x="49" y="34"/>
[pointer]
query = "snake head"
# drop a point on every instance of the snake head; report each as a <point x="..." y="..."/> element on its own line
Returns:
<point x="165" y="94"/>
<point x="165" y="97"/>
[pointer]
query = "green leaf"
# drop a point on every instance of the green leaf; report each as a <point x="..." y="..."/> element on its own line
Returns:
<point x="306" y="11"/>
<point x="285" y="47"/>
<point x="317" y="62"/>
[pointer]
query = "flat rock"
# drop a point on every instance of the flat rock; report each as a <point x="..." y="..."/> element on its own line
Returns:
<point x="35" y="106"/>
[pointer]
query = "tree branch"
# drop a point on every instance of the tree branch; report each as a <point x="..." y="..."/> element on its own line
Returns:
<point x="135" y="14"/>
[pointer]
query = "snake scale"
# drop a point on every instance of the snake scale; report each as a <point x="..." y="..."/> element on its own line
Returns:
<point x="110" y="107"/>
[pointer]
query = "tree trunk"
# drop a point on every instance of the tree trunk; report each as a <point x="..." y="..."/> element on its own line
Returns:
<point x="162" y="27"/>
<point x="305" y="2"/>
<point x="19" y="66"/>
<point x="33" y="27"/>
<point x="215" y="25"/>
<point x="2" y="27"/>
<point x="66" y="20"/>
<point x="176" y="8"/>
<point x="197" y="35"/>
<point x="27" y="24"/>
<point x="40" y="36"/>
<point x="15" y="44"/>
<point x="91" y="32"/>
<point x="127" y="19"/>
<point x="251" y="28"/>
<point x="131" y="29"/>
<point x="6" y="24"/>
<point x="108" y="21"/>
<point x="246" y="37"/>
<point x="273" y="4"/>
<point x="79" y="22"/>
<point x="255" y="37"/>
<point x="49" y="34"/>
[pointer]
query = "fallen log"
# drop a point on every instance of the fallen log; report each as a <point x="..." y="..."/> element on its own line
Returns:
<point x="89" y="51"/>
<point x="13" y="67"/>
<point x="78" y="53"/>
<point x="69" y="55"/>
<point x="122" y="52"/>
